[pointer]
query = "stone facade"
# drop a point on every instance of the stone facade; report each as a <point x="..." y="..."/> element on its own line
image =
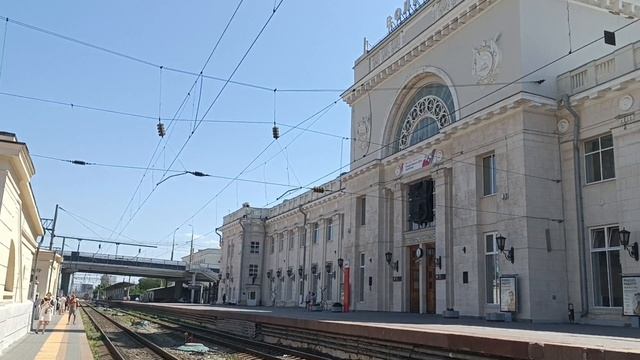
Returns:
<point x="457" y="97"/>
<point x="19" y="229"/>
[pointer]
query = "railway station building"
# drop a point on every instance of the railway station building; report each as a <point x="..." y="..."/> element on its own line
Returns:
<point x="494" y="174"/>
<point x="20" y="229"/>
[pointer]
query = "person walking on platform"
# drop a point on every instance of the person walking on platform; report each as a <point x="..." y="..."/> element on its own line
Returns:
<point x="62" y="304"/>
<point x="73" y="305"/>
<point x="46" y="309"/>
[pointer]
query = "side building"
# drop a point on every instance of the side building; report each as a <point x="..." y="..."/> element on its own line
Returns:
<point x="20" y="229"/>
<point x="494" y="174"/>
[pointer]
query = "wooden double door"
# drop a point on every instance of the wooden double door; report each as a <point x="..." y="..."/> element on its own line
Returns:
<point x="428" y="256"/>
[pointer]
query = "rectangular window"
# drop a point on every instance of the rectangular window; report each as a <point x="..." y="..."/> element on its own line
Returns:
<point x="598" y="157"/>
<point x="605" y="264"/>
<point x="361" y="210"/>
<point x="290" y="234"/>
<point x="489" y="174"/>
<point x="272" y="245"/>
<point x="492" y="269"/>
<point x="421" y="212"/>
<point x="329" y="235"/>
<point x="316" y="233"/>
<point x="280" y="242"/>
<point x="361" y="279"/>
<point x="253" y="270"/>
<point x="255" y="247"/>
<point x="302" y="236"/>
<point x="328" y="294"/>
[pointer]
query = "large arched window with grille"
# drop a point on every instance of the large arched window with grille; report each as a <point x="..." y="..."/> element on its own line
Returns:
<point x="429" y="110"/>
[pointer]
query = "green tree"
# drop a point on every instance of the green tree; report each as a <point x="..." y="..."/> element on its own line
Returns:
<point x="145" y="284"/>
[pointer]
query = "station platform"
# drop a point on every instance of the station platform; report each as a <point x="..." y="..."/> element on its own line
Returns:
<point x="518" y="340"/>
<point x="60" y="342"/>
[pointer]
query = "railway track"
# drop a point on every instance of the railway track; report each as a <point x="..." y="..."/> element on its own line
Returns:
<point x="247" y="348"/>
<point x="124" y="343"/>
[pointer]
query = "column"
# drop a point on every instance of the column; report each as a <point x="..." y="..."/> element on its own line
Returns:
<point x="400" y="288"/>
<point x="444" y="240"/>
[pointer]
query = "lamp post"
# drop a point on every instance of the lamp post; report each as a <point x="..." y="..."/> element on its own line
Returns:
<point x="173" y="244"/>
<point x="193" y="274"/>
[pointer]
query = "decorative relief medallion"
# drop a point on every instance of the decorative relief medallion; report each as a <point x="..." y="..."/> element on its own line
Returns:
<point x="625" y="103"/>
<point x="563" y="126"/>
<point x="486" y="61"/>
<point x="363" y="133"/>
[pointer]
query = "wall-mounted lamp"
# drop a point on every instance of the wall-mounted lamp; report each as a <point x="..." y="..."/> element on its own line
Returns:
<point x="388" y="256"/>
<point x="289" y="272"/>
<point x="300" y="272"/>
<point x="328" y="267"/>
<point x="226" y="275"/>
<point x="314" y="269"/>
<point x="439" y="262"/>
<point x="269" y="274"/>
<point x="624" y="240"/>
<point x="509" y="254"/>
<point x="279" y="273"/>
<point x="340" y="263"/>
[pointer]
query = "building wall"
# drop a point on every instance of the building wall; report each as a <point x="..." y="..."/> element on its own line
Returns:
<point x="19" y="229"/>
<point x="534" y="203"/>
<point x="48" y="273"/>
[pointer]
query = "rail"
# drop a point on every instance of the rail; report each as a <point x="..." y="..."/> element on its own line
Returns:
<point x="132" y="334"/>
<point x="260" y="349"/>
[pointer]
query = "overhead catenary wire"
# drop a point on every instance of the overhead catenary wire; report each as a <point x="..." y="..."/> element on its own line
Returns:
<point x="4" y="43"/>
<point x="173" y="171"/>
<point x="457" y="110"/>
<point x="383" y="146"/>
<point x="204" y="66"/>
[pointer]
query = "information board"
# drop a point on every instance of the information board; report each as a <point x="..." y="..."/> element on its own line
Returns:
<point x="631" y="295"/>
<point x="508" y="294"/>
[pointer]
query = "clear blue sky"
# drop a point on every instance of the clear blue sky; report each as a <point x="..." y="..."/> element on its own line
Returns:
<point x="307" y="45"/>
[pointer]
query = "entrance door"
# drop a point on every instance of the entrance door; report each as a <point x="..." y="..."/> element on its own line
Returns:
<point x="414" y="280"/>
<point x="252" y="299"/>
<point x="431" y="279"/>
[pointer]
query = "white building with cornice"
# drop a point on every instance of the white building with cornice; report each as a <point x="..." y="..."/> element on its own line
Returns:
<point x="476" y="125"/>
<point x="20" y="229"/>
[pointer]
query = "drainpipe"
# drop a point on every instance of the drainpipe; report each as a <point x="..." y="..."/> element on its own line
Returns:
<point x="577" y="174"/>
<point x="244" y="236"/>
<point x="264" y="255"/>
<point x="304" y="249"/>
<point x="220" y="273"/>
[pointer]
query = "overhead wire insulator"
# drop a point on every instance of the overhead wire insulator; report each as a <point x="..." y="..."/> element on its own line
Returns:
<point x="161" y="131"/>
<point x="317" y="189"/>
<point x="276" y="131"/>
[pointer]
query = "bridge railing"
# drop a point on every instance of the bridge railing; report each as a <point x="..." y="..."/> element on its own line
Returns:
<point x="74" y="256"/>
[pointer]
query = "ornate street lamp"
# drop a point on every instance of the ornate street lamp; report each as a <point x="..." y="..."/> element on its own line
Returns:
<point x="327" y="267"/>
<point x="300" y="271"/>
<point x="279" y="273"/>
<point x="509" y="254"/>
<point x="340" y="263"/>
<point x="624" y="241"/>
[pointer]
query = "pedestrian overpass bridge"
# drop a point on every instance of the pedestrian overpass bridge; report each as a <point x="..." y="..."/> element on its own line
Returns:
<point x="74" y="261"/>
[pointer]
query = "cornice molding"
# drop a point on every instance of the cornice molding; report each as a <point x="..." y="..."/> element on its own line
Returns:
<point x="516" y="101"/>
<point x="429" y="38"/>
<point x="613" y="86"/>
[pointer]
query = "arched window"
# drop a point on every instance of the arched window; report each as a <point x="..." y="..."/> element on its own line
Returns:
<point x="430" y="109"/>
<point x="11" y="266"/>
